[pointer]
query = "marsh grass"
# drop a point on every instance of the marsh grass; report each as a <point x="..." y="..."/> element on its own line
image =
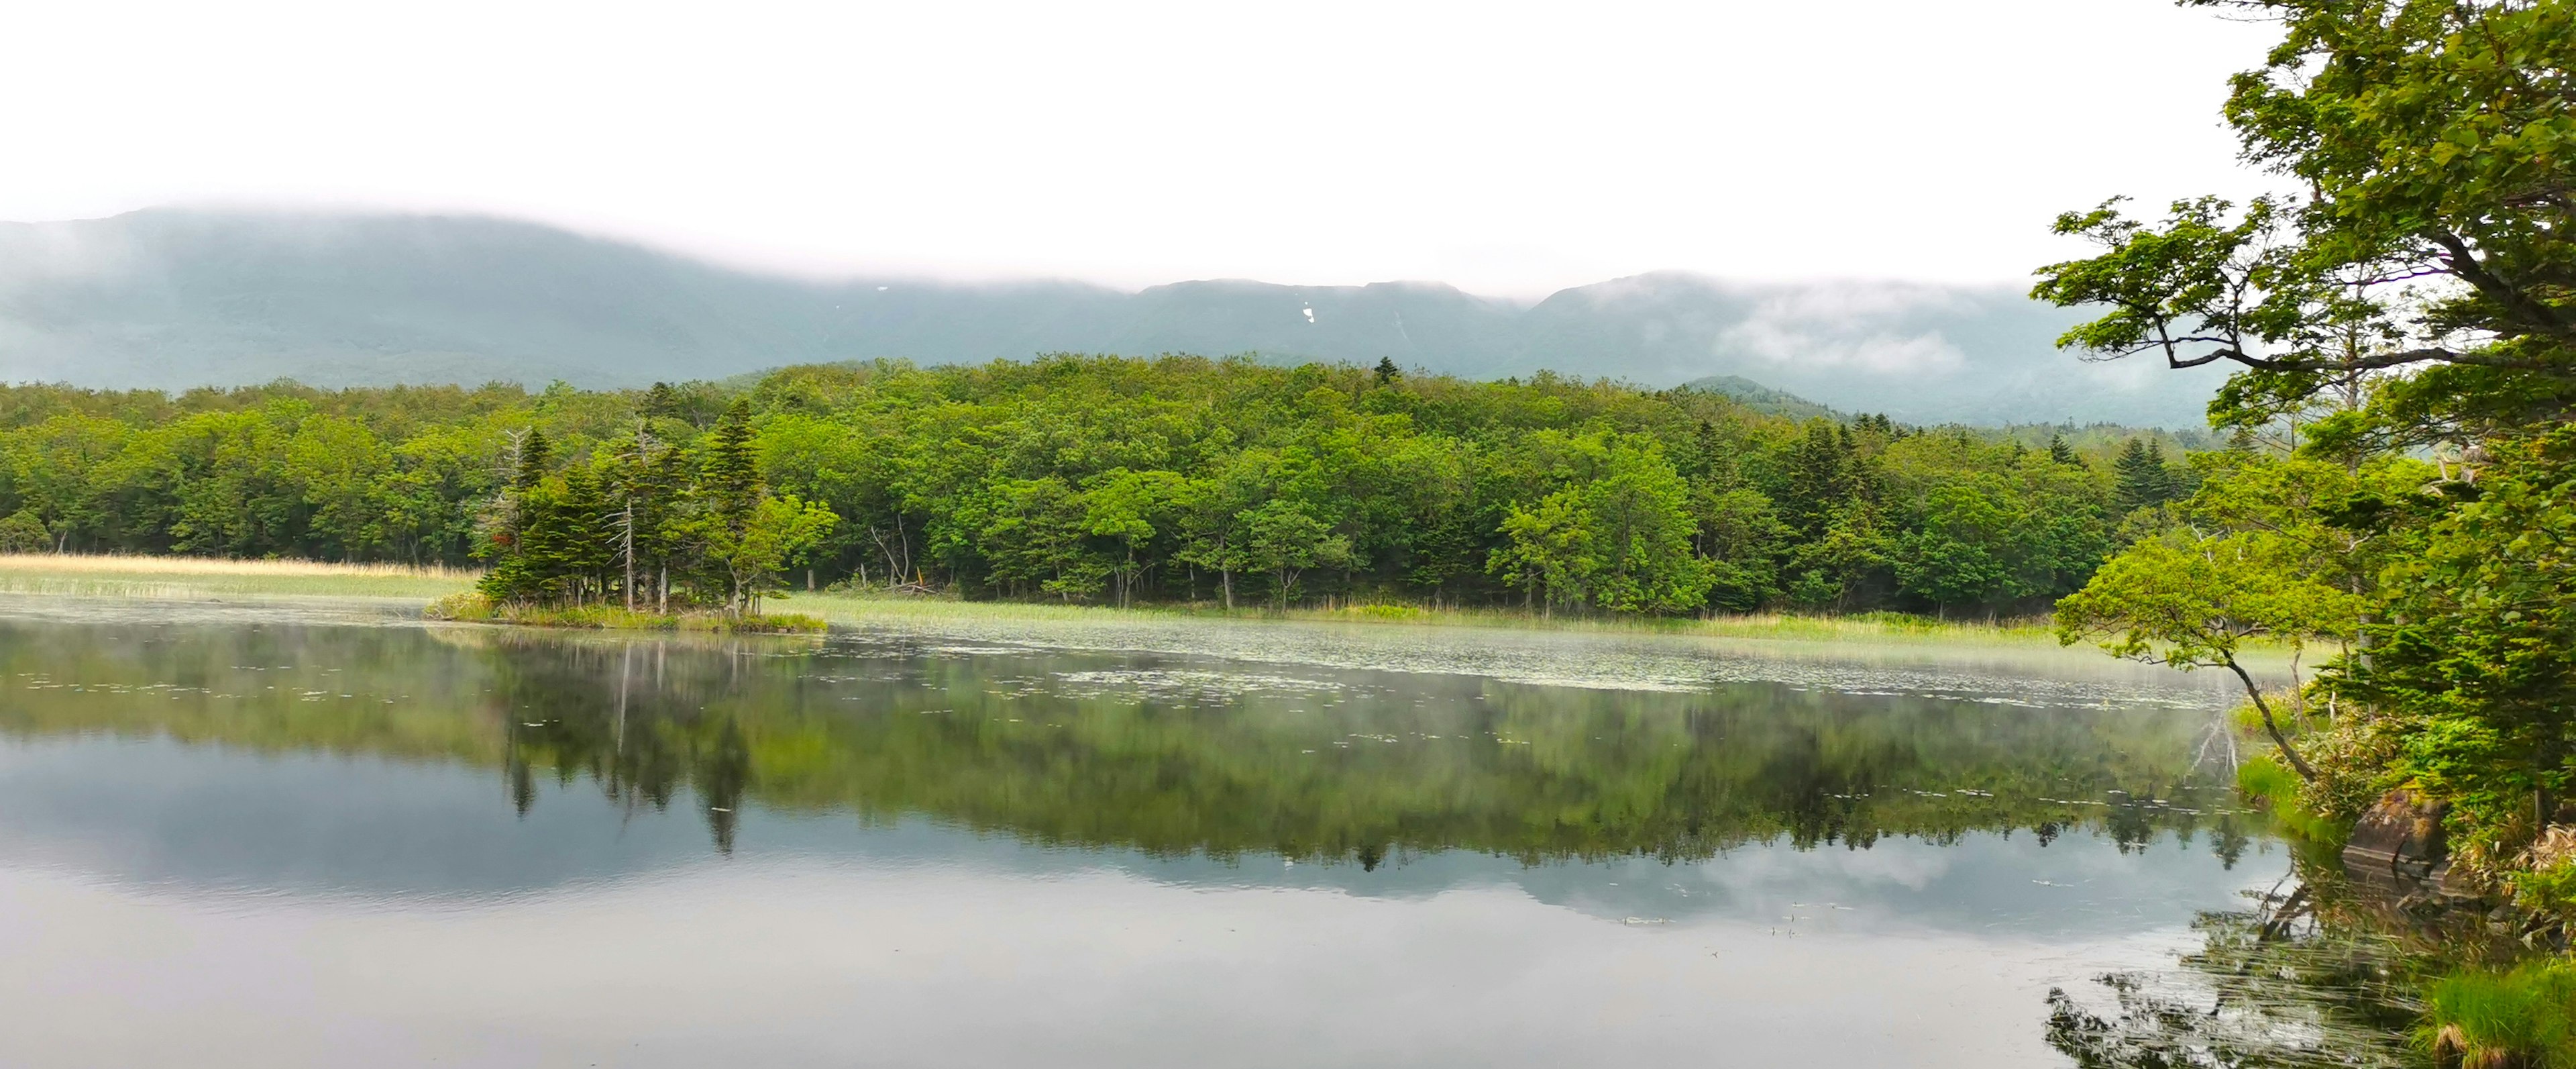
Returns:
<point x="199" y="578"/>
<point x="2276" y="788"/>
<point x="1880" y="627"/>
<point x="2525" y="1017"/>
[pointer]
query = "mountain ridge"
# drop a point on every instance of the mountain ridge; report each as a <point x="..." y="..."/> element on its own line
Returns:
<point x="181" y="297"/>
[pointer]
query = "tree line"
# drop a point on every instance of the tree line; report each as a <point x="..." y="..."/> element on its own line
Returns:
<point x="1094" y="479"/>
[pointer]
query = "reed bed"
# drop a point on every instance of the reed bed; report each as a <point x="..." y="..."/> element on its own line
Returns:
<point x="198" y="578"/>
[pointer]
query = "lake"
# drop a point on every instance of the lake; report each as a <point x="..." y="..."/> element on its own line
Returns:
<point x="236" y="837"/>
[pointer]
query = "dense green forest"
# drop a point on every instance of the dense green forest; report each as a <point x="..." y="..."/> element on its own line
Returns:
<point x="1095" y="479"/>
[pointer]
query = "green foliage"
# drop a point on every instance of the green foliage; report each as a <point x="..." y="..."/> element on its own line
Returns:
<point x="2144" y="479"/>
<point x="620" y="525"/>
<point x="775" y="532"/>
<point x="2414" y="298"/>
<point x="1082" y="479"/>
<point x="2192" y="600"/>
<point x="2061" y="452"/>
<point x="2476" y="658"/>
<point x="1617" y="536"/>
<point x="2256" y="559"/>
<point x="2281" y="792"/>
<point x="2525" y="1016"/>
<point x="475" y="607"/>
<point x="2548" y="890"/>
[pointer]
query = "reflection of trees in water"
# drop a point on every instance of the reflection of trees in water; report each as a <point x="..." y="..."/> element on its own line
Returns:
<point x="1540" y="774"/>
<point x="576" y="710"/>
<point x="2323" y="973"/>
<point x="1100" y="751"/>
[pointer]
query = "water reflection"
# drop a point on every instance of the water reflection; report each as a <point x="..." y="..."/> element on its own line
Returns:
<point x="1171" y="758"/>
<point x="1151" y="859"/>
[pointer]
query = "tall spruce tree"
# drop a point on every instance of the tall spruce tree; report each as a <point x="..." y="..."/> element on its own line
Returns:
<point x="2063" y="453"/>
<point x="729" y="481"/>
<point x="2144" y="480"/>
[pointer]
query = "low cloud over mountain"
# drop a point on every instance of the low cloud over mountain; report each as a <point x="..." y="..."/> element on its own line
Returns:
<point x="177" y="298"/>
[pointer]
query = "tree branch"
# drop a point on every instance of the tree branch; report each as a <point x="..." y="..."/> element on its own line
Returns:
<point x="2464" y="263"/>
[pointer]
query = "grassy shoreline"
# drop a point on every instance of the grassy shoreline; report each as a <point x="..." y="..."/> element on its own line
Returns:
<point x="470" y="607"/>
<point x="859" y="608"/>
<point x="202" y="579"/>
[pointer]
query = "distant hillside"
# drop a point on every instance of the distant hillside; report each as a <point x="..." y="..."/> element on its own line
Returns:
<point x="1761" y="398"/>
<point x="177" y="298"/>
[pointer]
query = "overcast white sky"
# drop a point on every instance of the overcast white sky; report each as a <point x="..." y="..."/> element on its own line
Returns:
<point x="1508" y="148"/>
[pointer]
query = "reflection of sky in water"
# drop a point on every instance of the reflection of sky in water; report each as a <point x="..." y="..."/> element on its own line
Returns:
<point x="173" y="818"/>
<point x="319" y="909"/>
<point x="300" y="907"/>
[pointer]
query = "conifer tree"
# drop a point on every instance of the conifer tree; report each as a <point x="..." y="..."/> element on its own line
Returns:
<point x="661" y="402"/>
<point x="2144" y="479"/>
<point x="535" y="453"/>
<point x="1821" y="477"/>
<point x="730" y="478"/>
<point x="2063" y="453"/>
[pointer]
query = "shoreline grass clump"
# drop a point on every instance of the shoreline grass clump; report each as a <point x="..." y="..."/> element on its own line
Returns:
<point x="475" y="608"/>
<point x="2275" y="787"/>
<point x="2523" y="1018"/>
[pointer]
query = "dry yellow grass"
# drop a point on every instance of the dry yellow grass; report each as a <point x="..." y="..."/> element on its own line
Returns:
<point x="116" y="564"/>
<point x="189" y="578"/>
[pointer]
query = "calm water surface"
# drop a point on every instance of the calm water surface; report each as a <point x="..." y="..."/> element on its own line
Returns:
<point x="235" y="842"/>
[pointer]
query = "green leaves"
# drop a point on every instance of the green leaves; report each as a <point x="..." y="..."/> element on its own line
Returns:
<point x="2190" y="288"/>
<point x="1617" y="537"/>
<point x="2192" y="600"/>
<point x="2476" y="657"/>
<point x="2430" y="147"/>
<point x="2416" y="293"/>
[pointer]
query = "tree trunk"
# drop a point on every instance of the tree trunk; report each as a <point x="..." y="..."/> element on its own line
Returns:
<point x="2297" y="764"/>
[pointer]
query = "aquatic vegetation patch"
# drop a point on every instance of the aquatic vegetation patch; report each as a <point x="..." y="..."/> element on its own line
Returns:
<point x="473" y="607"/>
<point x="1175" y="684"/>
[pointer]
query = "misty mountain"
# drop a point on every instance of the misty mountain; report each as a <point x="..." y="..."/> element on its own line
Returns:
<point x="173" y="298"/>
